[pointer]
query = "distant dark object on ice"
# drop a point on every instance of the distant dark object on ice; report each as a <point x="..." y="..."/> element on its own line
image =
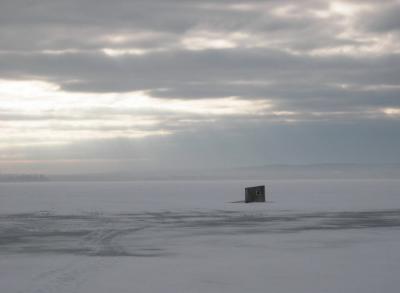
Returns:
<point x="255" y="194"/>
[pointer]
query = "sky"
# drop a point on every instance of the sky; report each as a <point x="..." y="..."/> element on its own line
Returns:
<point x="105" y="86"/>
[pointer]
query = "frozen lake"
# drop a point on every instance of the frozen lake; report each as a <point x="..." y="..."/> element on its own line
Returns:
<point x="189" y="236"/>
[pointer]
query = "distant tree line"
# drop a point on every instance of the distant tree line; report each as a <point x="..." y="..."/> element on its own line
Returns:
<point x="22" y="177"/>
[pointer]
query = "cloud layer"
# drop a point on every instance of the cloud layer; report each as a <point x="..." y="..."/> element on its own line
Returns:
<point x="73" y="72"/>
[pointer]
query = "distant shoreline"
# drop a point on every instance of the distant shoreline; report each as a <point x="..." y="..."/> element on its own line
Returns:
<point x="269" y="172"/>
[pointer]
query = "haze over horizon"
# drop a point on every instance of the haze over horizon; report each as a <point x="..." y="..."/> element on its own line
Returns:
<point x="101" y="86"/>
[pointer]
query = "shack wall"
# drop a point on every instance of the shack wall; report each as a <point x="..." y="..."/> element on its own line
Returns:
<point x="255" y="194"/>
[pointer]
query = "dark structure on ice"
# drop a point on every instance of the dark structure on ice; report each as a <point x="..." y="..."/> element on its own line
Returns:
<point x="255" y="194"/>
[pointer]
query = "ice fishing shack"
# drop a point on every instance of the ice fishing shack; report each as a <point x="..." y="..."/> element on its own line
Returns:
<point x="255" y="194"/>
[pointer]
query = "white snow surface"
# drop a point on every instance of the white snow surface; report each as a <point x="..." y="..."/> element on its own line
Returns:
<point x="189" y="236"/>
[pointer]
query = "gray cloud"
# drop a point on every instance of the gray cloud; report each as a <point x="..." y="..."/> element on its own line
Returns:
<point x="383" y="19"/>
<point x="52" y="25"/>
<point x="292" y="82"/>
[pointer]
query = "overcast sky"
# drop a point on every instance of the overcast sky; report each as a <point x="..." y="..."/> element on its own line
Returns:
<point x="100" y="86"/>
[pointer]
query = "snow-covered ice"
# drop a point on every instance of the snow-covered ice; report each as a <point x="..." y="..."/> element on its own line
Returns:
<point x="189" y="236"/>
